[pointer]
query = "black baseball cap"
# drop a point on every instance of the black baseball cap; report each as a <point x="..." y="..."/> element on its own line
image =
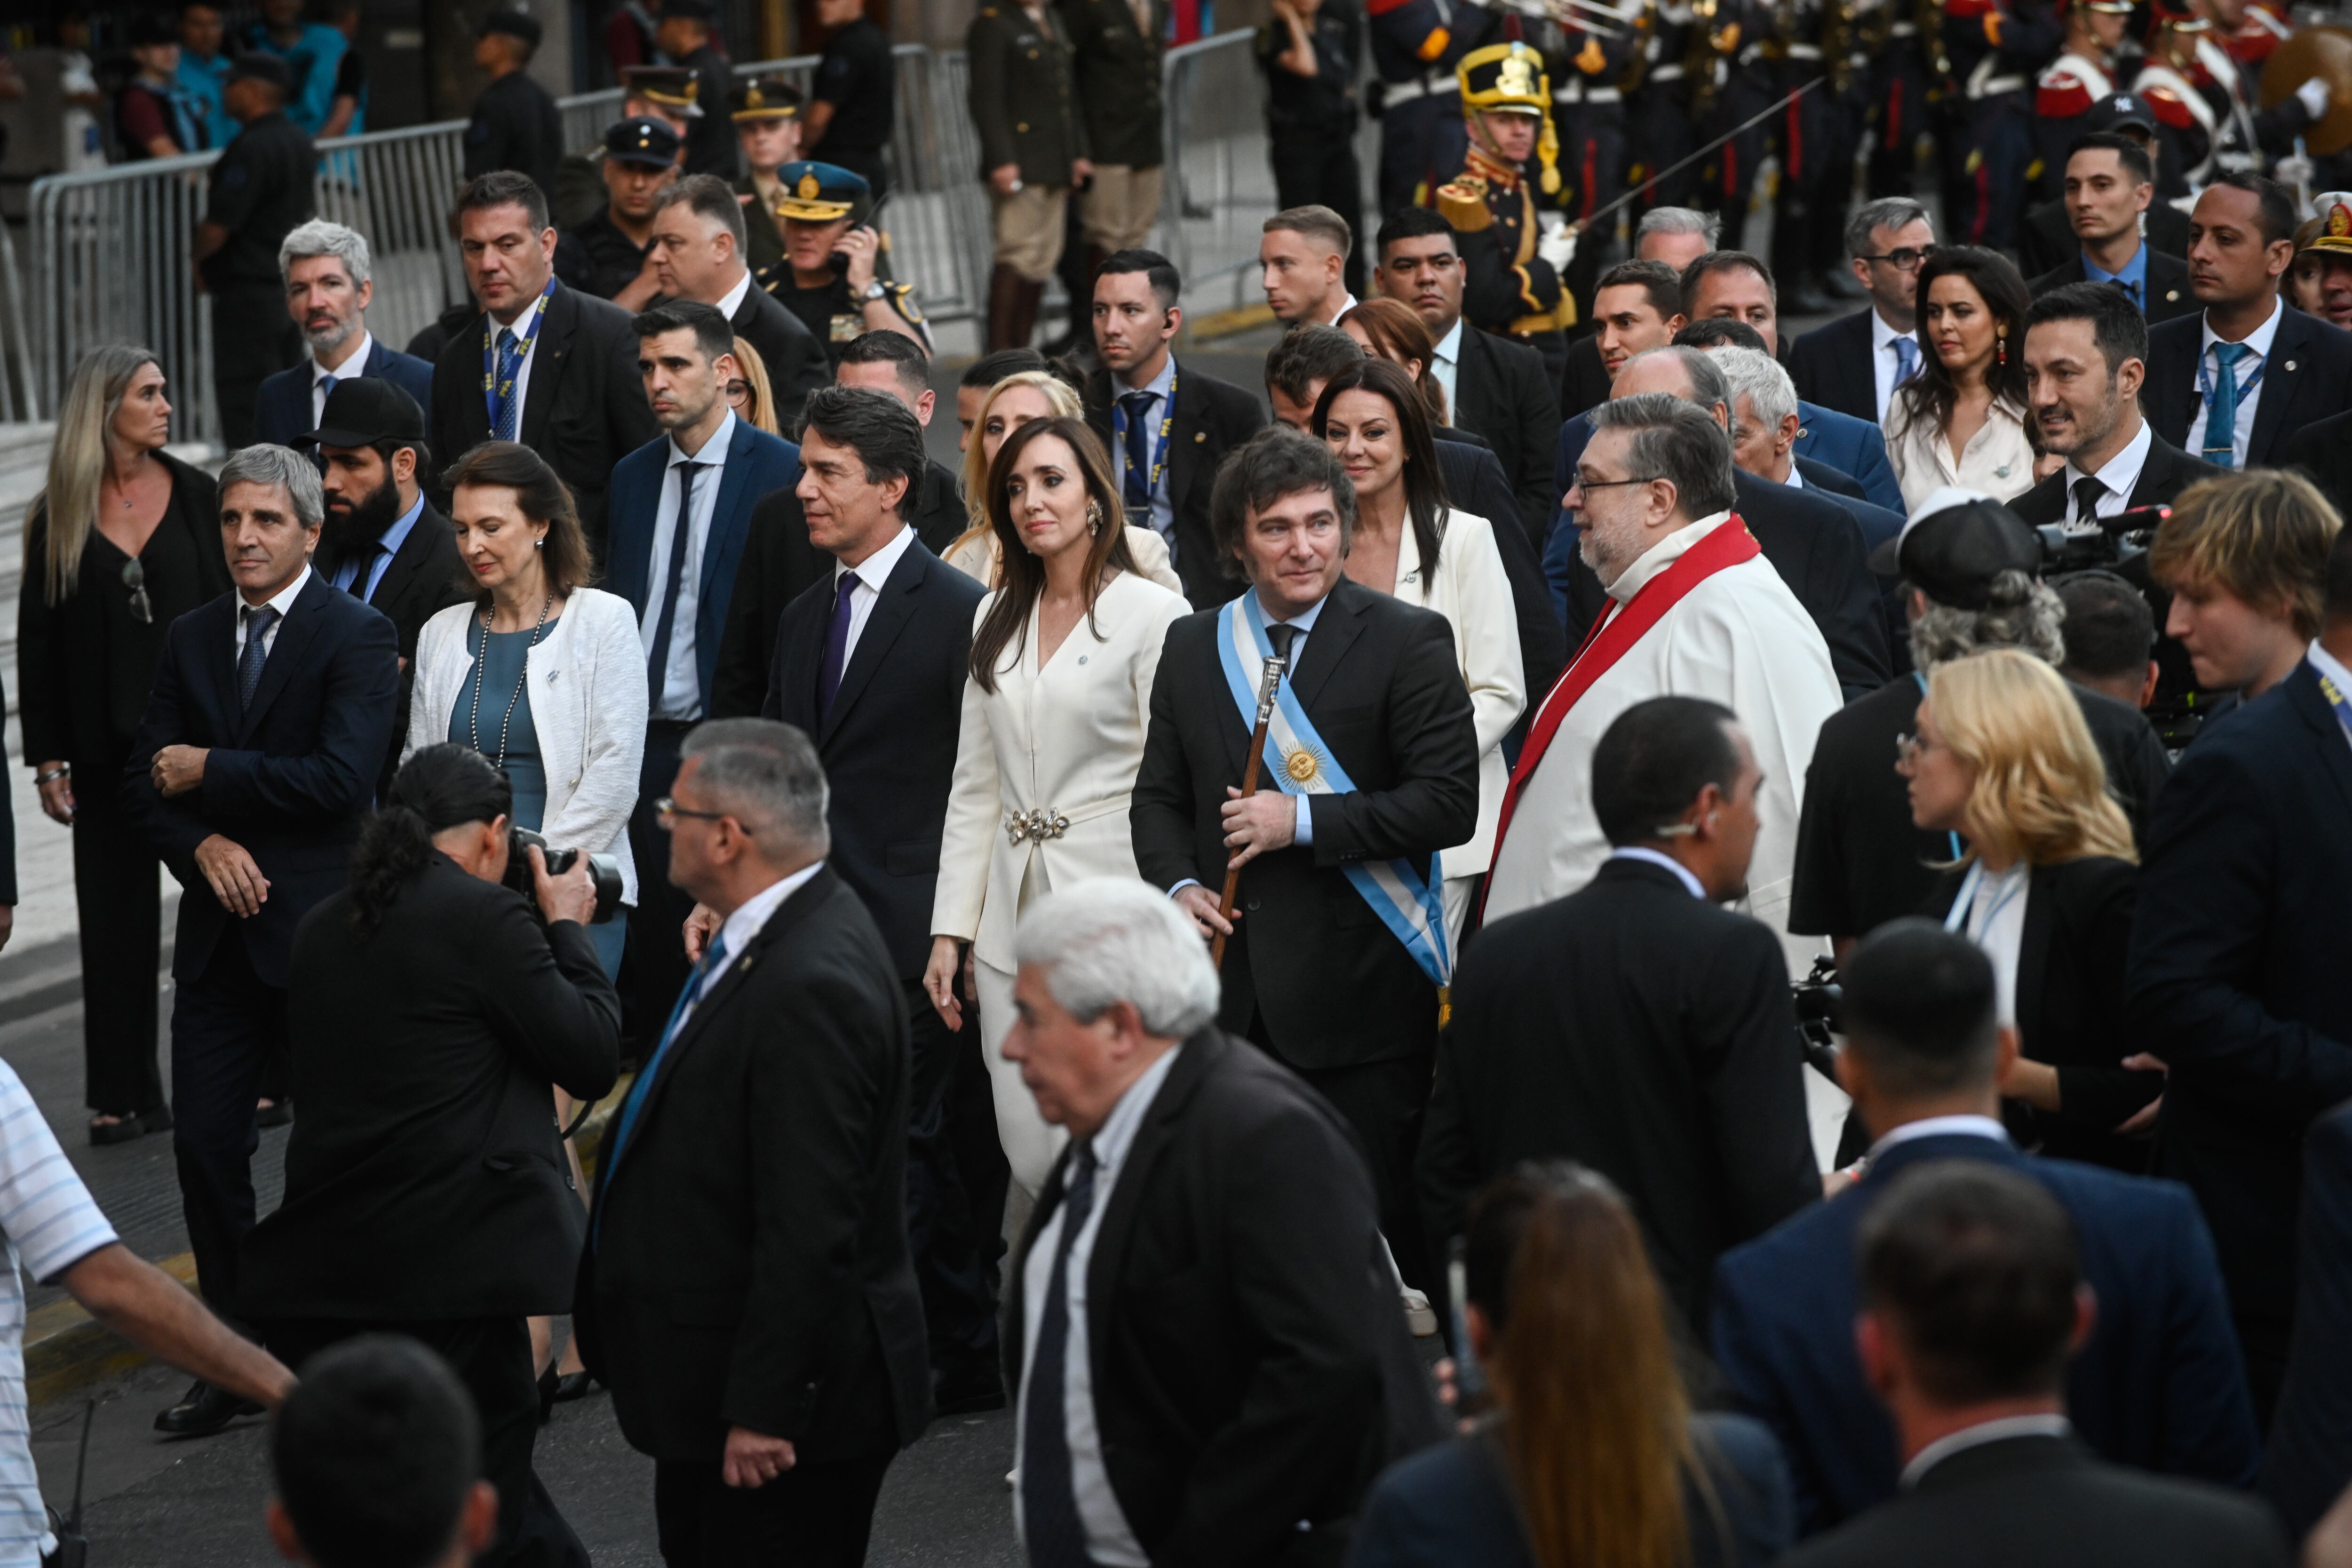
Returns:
<point x="1956" y="544"/>
<point x="514" y="25"/>
<point x="645" y="142"/>
<point x="364" y="409"/>
<point x="2118" y="109"/>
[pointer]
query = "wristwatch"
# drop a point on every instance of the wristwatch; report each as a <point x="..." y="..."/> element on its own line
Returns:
<point x="873" y="291"/>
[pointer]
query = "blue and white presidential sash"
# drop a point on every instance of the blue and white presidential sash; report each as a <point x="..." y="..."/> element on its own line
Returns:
<point x="1406" y="897"/>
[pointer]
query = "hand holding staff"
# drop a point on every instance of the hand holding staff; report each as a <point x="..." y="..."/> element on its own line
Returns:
<point x="1268" y="684"/>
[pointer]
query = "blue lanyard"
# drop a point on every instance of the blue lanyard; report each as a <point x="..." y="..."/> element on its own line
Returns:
<point x="1922" y="682"/>
<point x="1167" y="423"/>
<point x="2205" y="380"/>
<point x="2336" y="700"/>
<point x="2014" y="881"/>
<point x="494" y="391"/>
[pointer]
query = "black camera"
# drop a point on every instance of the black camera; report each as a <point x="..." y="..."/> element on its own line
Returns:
<point x="2119" y="544"/>
<point x="603" y="870"/>
<point x="1816" y="998"/>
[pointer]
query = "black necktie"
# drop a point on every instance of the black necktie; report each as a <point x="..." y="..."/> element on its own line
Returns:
<point x="1138" y="488"/>
<point x="2088" y="491"/>
<point x="658" y="661"/>
<point x="1056" y="1536"/>
<point x="1282" y="635"/>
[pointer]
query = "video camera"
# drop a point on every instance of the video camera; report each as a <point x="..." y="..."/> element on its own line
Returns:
<point x="2119" y="544"/>
<point x="603" y="870"/>
<point x="1817" y="996"/>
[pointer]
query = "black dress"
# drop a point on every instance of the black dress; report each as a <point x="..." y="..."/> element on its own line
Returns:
<point x="86" y="665"/>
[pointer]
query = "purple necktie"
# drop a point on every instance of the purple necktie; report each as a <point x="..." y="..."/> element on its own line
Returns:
<point x="836" y="644"/>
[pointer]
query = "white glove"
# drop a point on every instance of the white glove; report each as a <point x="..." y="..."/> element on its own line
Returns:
<point x="2315" y="97"/>
<point x="1557" y="242"/>
<point x="2295" y="171"/>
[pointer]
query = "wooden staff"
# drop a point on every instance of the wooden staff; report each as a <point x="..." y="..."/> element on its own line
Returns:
<point x="1268" y="684"/>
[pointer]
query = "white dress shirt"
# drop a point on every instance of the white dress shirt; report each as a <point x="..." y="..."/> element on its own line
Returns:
<point x="732" y="301"/>
<point x="1995" y="920"/>
<point x="1886" y="360"/>
<point x="2249" y="397"/>
<point x="871" y="572"/>
<point x="739" y="929"/>
<point x="283" y="603"/>
<point x="678" y="695"/>
<point x="1163" y="511"/>
<point x="1641" y="852"/>
<point x="354" y="363"/>
<point x="1110" y="1541"/>
<point x="1963" y="1126"/>
<point x="1449" y="365"/>
<point x="1976" y="1436"/>
<point x="2120" y="474"/>
<point x="521" y="329"/>
<point x="1998" y="459"/>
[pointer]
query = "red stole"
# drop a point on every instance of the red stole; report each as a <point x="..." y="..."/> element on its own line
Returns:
<point x="1612" y="637"/>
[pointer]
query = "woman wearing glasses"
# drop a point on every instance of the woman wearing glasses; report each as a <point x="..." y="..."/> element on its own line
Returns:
<point x="122" y="541"/>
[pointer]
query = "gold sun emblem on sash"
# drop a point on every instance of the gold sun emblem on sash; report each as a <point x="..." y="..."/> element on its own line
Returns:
<point x="1302" y="764"/>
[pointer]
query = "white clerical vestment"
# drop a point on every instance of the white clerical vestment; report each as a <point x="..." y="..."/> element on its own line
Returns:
<point x="1736" y="636"/>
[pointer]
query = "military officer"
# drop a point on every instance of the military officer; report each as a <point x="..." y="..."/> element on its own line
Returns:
<point x="1032" y="151"/>
<point x="1511" y="252"/>
<point x="767" y="113"/>
<point x="515" y="125"/>
<point x="2082" y="76"/>
<point x="1674" y="79"/>
<point x="647" y="92"/>
<point x="1996" y="49"/>
<point x="688" y="35"/>
<point x="610" y="256"/>
<point x="2202" y="99"/>
<point x="1115" y="53"/>
<point x="1894" y="86"/>
<point x="827" y="277"/>
<point x="1417" y="45"/>
<point x="1739" y="30"/>
<point x="1309" y="53"/>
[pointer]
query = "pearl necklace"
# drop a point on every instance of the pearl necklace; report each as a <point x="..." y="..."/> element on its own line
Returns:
<point x="481" y="662"/>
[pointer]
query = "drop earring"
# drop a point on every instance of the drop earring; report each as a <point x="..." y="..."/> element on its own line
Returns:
<point x="2001" y="347"/>
<point x="1094" y="517"/>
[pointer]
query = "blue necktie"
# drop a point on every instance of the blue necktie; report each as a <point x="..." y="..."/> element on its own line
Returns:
<point x="1055" y="1536"/>
<point x="326" y="389"/>
<point x="509" y="362"/>
<point x="258" y="619"/>
<point x="1906" y="360"/>
<point x="714" y="959"/>
<point x="1136" y="491"/>
<point x="836" y="644"/>
<point x="657" y="661"/>
<point x="2221" y="407"/>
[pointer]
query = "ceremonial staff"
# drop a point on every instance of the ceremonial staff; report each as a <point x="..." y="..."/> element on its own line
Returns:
<point x="1268" y="684"/>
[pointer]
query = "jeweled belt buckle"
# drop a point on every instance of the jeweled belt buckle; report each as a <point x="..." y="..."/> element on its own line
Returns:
<point x="1035" y="826"/>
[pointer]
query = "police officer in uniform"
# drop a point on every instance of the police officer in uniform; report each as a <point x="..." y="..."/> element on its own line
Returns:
<point x="1309" y="53"/>
<point x="647" y="92"/>
<point x="1417" y="47"/>
<point x="767" y="113"/>
<point x="1032" y="150"/>
<point x="515" y="125"/>
<point x="2082" y="77"/>
<point x="1511" y="248"/>
<point x="1996" y="50"/>
<point x="258" y="191"/>
<point x="854" y="94"/>
<point x="610" y="256"/>
<point x="828" y="277"/>
<point x="687" y="36"/>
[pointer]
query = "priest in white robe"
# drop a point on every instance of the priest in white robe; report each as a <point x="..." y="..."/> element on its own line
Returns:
<point x="1695" y="610"/>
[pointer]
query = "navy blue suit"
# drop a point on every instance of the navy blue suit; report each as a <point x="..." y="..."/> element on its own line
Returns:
<point x="2310" y="1456"/>
<point x="288" y="776"/>
<point x="754" y="465"/>
<point x="1853" y="446"/>
<point x="2238" y="979"/>
<point x="281" y="410"/>
<point x="2159" y="1384"/>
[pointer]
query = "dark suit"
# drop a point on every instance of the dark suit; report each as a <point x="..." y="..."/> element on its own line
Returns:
<point x="281" y="410"/>
<point x="2310" y="1455"/>
<point x="795" y="360"/>
<point x="1211" y="419"/>
<point x="426" y="1190"/>
<point x="747" y="1263"/>
<point x="2323" y="450"/>
<point x="889" y="744"/>
<point x="1853" y="446"/>
<point x="425" y="576"/>
<point x="2159" y="1384"/>
<point x="2168" y="472"/>
<point x="2238" y="981"/>
<point x="287" y="778"/>
<point x="1475" y="482"/>
<point x="1584" y="382"/>
<point x="1502" y="392"/>
<point x="1821" y="477"/>
<point x="1659" y="1047"/>
<point x="584" y="408"/>
<point x="1832" y="366"/>
<point x="2038" y="1501"/>
<point x="1311" y="972"/>
<point x="2318" y="384"/>
<point x="2047" y="237"/>
<point x="1252" y="1373"/>
<point x="2167" y="287"/>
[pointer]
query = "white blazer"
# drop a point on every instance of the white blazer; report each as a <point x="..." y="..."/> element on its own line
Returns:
<point x="1065" y="742"/>
<point x="587" y="689"/>
<point x="976" y="558"/>
<point x="1472" y="590"/>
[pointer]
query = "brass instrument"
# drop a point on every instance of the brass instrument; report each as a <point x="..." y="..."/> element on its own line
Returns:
<point x="2324" y="52"/>
<point x="1837" y="43"/>
<point x="1645" y="38"/>
<point x="1929" y="19"/>
<point x="1702" y="51"/>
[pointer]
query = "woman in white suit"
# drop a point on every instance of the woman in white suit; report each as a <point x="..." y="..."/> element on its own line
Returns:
<point x="1063" y="656"/>
<point x="1410" y="545"/>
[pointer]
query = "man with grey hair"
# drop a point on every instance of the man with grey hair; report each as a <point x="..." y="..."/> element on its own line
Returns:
<point x="1694" y="609"/>
<point x="271" y="712"/>
<point x="1765" y="425"/>
<point x="1675" y="236"/>
<point x="328" y="289"/>
<point x="747" y="1290"/>
<point x="1853" y="365"/>
<point x="1211" y="1361"/>
<point x="698" y="249"/>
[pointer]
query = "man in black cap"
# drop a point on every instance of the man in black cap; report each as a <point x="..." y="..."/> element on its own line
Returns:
<point x="1971" y="575"/>
<point x="647" y="92"/>
<point x="767" y="115"/>
<point x="2047" y="238"/>
<point x="855" y="95"/>
<point x="688" y="35"/>
<point x="827" y="279"/>
<point x="383" y="541"/>
<point x="259" y="192"/>
<point x="515" y="125"/>
<point x="610" y="256"/>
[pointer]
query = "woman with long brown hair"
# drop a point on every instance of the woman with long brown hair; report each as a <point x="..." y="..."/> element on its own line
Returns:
<point x="1063" y="656"/>
<point x="1593" y="1457"/>
<point x="1960" y="419"/>
<point x="1393" y="331"/>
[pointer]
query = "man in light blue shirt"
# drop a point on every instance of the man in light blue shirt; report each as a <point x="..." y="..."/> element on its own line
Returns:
<point x="312" y="52"/>
<point x="203" y="72"/>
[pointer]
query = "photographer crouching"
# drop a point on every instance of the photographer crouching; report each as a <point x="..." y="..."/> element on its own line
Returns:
<point x="426" y="1191"/>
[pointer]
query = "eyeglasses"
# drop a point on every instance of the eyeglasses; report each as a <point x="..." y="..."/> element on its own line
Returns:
<point x="134" y="577"/>
<point x="1580" y="483"/>
<point x="1908" y="750"/>
<point x="1904" y="259"/>
<point x="666" y="812"/>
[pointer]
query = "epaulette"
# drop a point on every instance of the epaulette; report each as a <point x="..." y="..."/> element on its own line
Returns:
<point x="1462" y="202"/>
<point x="2167" y="107"/>
<point x="2062" y="100"/>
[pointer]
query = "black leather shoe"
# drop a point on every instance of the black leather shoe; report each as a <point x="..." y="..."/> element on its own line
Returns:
<point x="573" y="1385"/>
<point x="204" y="1411"/>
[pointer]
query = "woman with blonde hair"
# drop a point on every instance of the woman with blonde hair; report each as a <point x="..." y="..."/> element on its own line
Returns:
<point x="1593" y="1457"/>
<point x="2042" y="879"/>
<point x="1063" y="656"/>
<point x="749" y="394"/>
<point x="1393" y="331"/>
<point x="1019" y="398"/>
<point x="122" y="541"/>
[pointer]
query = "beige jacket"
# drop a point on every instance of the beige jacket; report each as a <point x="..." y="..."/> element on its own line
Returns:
<point x="1470" y="589"/>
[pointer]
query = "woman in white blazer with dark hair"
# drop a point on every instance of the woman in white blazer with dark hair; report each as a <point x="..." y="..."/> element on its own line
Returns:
<point x="1410" y="545"/>
<point x="559" y="701"/>
<point x="1054" y="714"/>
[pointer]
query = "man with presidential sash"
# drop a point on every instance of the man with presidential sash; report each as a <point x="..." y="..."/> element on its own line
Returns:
<point x="1695" y="610"/>
<point x="1335" y="953"/>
